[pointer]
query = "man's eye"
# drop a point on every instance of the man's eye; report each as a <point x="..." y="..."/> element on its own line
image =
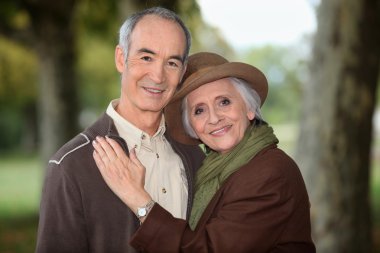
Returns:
<point x="173" y="64"/>
<point x="146" y="58"/>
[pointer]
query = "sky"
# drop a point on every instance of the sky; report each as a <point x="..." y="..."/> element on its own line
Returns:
<point x="247" y="23"/>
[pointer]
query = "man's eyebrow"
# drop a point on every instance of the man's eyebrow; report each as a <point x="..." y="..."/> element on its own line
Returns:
<point x="177" y="57"/>
<point x="148" y="51"/>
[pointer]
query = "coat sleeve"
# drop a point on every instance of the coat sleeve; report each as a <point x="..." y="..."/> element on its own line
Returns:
<point x="248" y="215"/>
<point x="61" y="223"/>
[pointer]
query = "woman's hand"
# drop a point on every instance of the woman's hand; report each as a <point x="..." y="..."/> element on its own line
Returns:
<point x="124" y="175"/>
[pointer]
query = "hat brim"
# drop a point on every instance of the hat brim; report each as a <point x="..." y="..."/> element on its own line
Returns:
<point x="173" y="115"/>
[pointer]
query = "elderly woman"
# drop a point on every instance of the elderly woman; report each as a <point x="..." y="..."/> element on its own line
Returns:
<point x="250" y="195"/>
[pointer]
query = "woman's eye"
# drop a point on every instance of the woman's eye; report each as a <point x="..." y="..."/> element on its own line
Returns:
<point x="198" y="111"/>
<point x="225" y="102"/>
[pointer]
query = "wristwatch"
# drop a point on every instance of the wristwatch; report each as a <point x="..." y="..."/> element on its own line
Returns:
<point x="143" y="211"/>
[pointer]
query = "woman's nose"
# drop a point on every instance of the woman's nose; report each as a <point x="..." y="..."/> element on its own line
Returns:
<point x="214" y="116"/>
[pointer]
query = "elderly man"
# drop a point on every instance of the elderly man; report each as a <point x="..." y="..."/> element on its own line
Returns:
<point x="79" y="213"/>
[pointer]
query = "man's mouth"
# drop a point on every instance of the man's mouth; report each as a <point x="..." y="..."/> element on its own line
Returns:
<point x="153" y="90"/>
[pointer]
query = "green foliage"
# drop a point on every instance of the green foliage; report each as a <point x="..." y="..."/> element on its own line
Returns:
<point x="18" y="75"/>
<point x="18" y="91"/>
<point x="12" y="17"/>
<point x="10" y="128"/>
<point x="98" y="18"/>
<point x="285" y="71"/>
<point x="98" y="77"/>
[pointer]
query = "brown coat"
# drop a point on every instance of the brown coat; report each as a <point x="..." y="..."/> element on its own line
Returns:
<point x="262" y="207"/>
<point x="79" y="213"/>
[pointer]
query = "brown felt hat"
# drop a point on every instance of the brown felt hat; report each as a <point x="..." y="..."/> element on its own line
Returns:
<point x="203" y="68"/>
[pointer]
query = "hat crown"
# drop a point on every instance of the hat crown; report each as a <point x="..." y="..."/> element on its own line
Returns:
<point x="201" y="61"/>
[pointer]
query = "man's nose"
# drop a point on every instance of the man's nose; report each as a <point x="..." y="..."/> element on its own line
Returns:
<point x="157" y="73"/>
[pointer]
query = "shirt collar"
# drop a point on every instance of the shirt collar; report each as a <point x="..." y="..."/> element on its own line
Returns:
<point x="132" y="134"/>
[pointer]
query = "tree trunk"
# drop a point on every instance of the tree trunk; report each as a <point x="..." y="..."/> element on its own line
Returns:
<point x="52" y="24"/>
<point x="336" y="125"/>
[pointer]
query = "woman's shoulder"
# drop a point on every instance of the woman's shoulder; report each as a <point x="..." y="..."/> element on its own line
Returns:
<point x="271" y="171"/>
<point x="270" y="163"/>
<point x="272" y="156"/>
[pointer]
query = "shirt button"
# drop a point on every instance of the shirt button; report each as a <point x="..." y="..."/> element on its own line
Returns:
<point x="163" y="190"/>
<point x="157" y="155"/>
<point x="143" y="136"/>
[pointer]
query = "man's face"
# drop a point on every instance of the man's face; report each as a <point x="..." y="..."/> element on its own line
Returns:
<point x="154" y="66"/>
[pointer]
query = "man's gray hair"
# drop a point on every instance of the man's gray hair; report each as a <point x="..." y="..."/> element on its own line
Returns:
<point x="129" y="25"/>
<point x="251" y="98"/>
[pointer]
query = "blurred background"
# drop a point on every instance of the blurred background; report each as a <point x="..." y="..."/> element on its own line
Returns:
<point x="321" y="58"/>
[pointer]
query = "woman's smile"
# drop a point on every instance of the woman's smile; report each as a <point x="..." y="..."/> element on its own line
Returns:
<point x="221" y="131"/>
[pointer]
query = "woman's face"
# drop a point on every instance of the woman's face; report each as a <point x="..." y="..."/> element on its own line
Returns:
<point x="218" y="115"/>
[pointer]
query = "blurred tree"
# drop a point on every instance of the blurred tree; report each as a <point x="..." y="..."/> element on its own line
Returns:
<point x="336" y="128"/>
<point x="17" y="96"/>
<point x="52" y="30"/>
<point x="48" y="28"/>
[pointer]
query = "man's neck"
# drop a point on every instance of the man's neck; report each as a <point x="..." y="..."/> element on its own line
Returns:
<point x="144" y="120"/>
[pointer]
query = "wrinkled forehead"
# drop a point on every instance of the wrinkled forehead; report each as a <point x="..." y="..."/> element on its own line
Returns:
<point x="156" y="30"/>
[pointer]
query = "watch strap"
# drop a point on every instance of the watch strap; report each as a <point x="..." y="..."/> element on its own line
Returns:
<point x="148" y="206"/>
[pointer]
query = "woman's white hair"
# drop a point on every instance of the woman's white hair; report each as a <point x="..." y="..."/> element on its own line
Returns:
<point x="251" y="98"/>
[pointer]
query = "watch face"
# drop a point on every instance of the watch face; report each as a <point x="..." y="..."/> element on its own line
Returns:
<point x="141" y="212"/>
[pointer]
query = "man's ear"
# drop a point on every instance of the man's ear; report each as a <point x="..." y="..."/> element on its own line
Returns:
<point x="119" y="59"/>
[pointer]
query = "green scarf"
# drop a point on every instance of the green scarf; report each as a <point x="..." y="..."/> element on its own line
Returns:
<point x="216" y="167"/>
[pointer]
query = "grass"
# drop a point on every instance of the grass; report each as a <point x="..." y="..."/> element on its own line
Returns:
<point x="20" y="187"/>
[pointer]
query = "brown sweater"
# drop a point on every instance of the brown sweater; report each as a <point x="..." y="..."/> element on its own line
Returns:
<point x="78" y="212"/>
<point x="262" y="207"/>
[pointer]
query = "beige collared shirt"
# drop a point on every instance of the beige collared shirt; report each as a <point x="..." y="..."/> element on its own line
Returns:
<point x="165" y="178"/>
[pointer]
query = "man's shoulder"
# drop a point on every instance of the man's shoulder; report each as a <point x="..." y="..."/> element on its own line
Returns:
<point x="79" y="147"/>
<point x="70" y="148"/>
